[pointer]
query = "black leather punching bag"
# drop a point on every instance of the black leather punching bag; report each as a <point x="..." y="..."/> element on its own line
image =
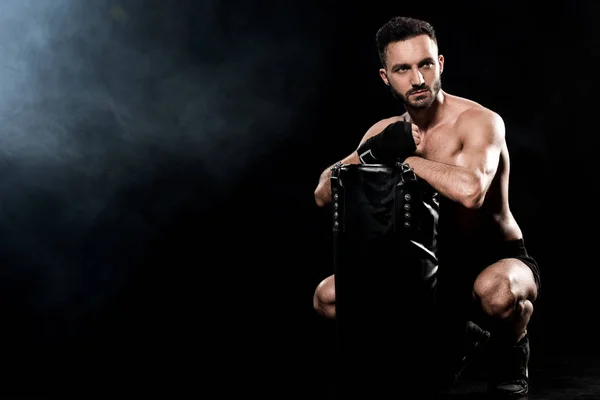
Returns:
<point x="385" y="222"/>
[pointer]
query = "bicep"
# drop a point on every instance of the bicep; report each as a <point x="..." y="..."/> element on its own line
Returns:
<point x="483" y="139"/>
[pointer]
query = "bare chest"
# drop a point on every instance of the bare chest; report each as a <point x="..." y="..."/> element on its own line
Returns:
<point x="440" y="144"/>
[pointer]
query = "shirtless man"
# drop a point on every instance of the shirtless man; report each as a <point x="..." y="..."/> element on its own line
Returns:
<point x="459" y="148"/>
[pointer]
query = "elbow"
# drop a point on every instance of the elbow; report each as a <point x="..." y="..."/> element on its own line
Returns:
<point x="473" y="202"/>
<point x="320" y="198"/>
<point x="474" y="194"/>
<point x="322" y="193"/>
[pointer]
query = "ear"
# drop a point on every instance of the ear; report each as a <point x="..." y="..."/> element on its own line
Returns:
<point x="383" y="76"/>
<point x="441" y="62"/>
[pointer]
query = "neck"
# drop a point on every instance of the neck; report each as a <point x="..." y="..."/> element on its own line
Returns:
<point x="427" y="117"/>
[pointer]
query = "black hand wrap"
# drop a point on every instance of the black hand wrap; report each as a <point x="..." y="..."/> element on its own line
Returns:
<point x="393" y="145"/>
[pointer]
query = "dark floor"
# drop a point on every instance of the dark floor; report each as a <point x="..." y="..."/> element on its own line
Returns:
<point x="561" y="376"/>
<point x="554" y="377"/>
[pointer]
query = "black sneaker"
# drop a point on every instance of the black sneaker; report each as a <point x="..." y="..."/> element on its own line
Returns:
<point x="454" y="363"/>
<point x="509" y="375"/>
<point x="475" y="339"/>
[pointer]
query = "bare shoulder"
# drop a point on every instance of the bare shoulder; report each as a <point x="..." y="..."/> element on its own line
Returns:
<point x="476" y="119"/>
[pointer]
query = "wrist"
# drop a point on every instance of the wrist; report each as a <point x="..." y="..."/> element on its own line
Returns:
<point x="352" y="158"/>
<point x="408" y="160"/>
<point x="334" y="167"/>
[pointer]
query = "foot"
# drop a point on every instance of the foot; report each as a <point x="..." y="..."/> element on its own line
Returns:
<point x="474" y="340"/>
<point x="509" y="375"/>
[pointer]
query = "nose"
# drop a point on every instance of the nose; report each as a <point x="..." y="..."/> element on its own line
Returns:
<point x="416" y="77"/>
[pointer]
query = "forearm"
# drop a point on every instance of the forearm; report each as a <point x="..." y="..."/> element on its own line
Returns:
<point x="455" y="183"/>
<point x="323" y="191"/>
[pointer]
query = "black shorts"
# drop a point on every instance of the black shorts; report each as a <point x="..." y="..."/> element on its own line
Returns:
<point x="516" y="249"/>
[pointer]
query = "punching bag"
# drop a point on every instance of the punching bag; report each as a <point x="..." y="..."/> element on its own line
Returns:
<point x="385" y="225"/>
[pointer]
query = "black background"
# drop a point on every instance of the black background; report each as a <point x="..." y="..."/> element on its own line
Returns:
<point x="158" y="166"/>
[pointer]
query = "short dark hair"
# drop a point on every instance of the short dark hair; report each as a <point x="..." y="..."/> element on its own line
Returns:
<point x="401" y="28"/>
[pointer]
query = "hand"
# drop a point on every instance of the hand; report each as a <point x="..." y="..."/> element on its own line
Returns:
<point x="415" y="132"/>
<point x="416" y="135"/>
<point x="394" y="144"/>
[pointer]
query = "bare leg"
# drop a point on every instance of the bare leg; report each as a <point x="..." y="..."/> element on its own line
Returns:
<point x="506" y="291"/>
<point x="324" y="297"/>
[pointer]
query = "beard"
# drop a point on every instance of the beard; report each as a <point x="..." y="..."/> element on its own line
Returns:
<point x="421" y="101"/>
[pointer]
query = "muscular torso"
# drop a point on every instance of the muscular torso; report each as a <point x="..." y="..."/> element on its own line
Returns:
<point x="493" y="220"/>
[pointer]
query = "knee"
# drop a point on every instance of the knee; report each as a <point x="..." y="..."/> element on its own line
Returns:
<point x="324" y="298"/>
<point x="496" y="296"/>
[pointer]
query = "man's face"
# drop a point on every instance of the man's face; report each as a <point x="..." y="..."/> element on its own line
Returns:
<point x="413" y="69"/>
